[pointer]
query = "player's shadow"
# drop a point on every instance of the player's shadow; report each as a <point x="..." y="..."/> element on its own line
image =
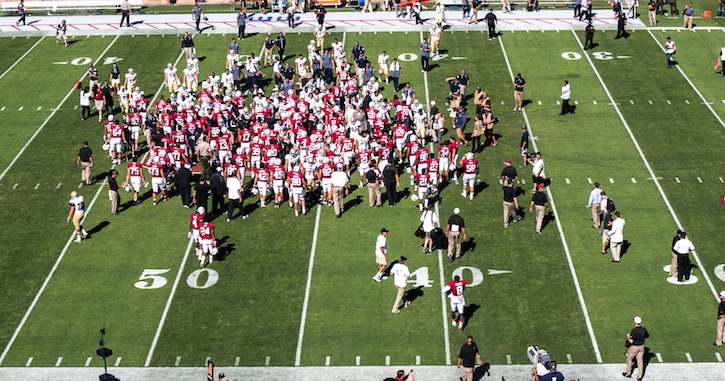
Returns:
<point x="625" y="247"/>
<point x="224" y="252"/>
<point x="526" y="102"/>
<point x="98" y="227"/>
<point x="548" y="217"/>
<point x="138" y="22"/>
<point x="467" y="246"/>
<point x="353" y="203"/>
<point x="108" y="377"/>
<point x="411" y="295"/>
<point x="33" y="22"/>
<point x="483" y="370"/>
<point x="71" y="42"/>
<point x="207" y="27"/>
<point x="481" y="186"/>
<point x="468" y="313"/>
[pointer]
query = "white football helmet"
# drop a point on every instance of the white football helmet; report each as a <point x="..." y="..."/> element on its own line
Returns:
<point x="469" y="155"/>
<point x="201" y="210"/>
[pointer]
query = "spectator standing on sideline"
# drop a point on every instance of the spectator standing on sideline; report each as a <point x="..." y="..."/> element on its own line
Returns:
<point x="85" y="161"/>
<point x="201" y="193"/>
<point x="320" y="14"/>
<point x="565" y="97"/>
<point x="125" y="13"/>
<point x="241" y="23"/>
<point x="621" y="24"/>
<point x="340" y="188"/>
<point x="673" y="263"/>
<point x="510" y="203"/>
<point x="372" y="176"/>
<point x="60" y="33"/>
<point x="519" y="84"/>
<point x="401" y="376"/>
<point x="687" y="14"/>
<point x="589" y="36"/>
<point x="468" y="357"/>
<point x="391" y="180"/>
<point x="720" y="8"/>
<point x="474" y="16"/>
<point x="524" y="146"/>
<point x="196" y="15"/>
<point x="113" y="192"/>
<point x="381" y="253"/>
<point x="454" y="228"/>
<point x="491" y="23"/>
<point x="652" y="12"/>
<point x="281" y="43"/>
<point x="401" y="274"/>
<point x="291" y="15"/>
<point x="85" y="100"/>
<point x="670" y="50"/>
<point x="425" y="50"/>
<point x="577" y="8"/>
<point x="539" y="201"/>
<point x="182" y="181"/>
<point x="594" y="202"/>
<point x="683" y="247"/>
<point x="636" y="340"/>
<point x="21" y="13"/>
<point x="616" y="237"/>
<point x="720" y="321"/>
<point x="187" y="45"/>
<point x="429" y="221"/>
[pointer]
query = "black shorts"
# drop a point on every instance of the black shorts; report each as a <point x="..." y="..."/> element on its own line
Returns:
<point x="488" y="132"/>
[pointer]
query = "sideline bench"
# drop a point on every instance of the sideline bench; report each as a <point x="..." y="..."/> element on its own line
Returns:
<point x="67" y="6"/>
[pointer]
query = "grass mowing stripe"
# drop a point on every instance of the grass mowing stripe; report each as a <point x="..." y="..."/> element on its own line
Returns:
<point x="55" y="110"/>
<point x="21" y="57"/>
<point x="646" y="162"/>
<point x="579" y="293"/>
<point x="168" y="305"/>
<point x="691" y="84"/>
<point x="298" y="354"/>
<point x="50" y="274"/>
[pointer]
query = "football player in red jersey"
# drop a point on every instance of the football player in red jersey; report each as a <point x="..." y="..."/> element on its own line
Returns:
<point x="470" y="169"/>
<point x="457" y="286"/>
<point x="158" y="181"/>
<point x="296" y="181"/>
<point x="208" y="242"/>
<point x="134" y="178"/>
<point x="196" y="221"/>
<point x="422" y="181"/>
<point x="261" y="182"/>
<point x="278" y="181"/>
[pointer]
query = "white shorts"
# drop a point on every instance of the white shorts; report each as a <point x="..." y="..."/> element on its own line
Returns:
<point x="244" y="147"/>
<point x="347" y="157"/>
<point x="116" y="145"/>
<point x="298" y="194"/>
<point x="262" y="187"/>
<point x="422" y="193"/>
<point x="135" y="132"/>
<point x="206" y="245"/>
<point x="223" y="156"/>
<point x="380" y="259"/>
<point x="326" y="185"/>
<point x="213" y="144"/>
<point x="166" y="129"/>
<point x="255" y="161"/>
<point x="457" y="303"/>
<point x="363" y="169"/>
<point x="116" y="81"/>
<point x="158" y="184"/>
<point x="443" y="165"/>
<point x="195" y="235"/>
<point x="278" y="186"/>
<point x="400" y="144"/>
<point x="469" y="179"/>
<point x="434" y="178"/>
<point x="421" y="167"/>
<point x="136" y="183"/>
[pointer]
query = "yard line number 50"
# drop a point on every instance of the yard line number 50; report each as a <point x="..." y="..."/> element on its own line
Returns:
<point x="152" y="279"/>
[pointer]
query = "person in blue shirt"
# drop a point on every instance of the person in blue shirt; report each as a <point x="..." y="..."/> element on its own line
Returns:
<point x="553" y="374"/>
<point x="595" y="201"/>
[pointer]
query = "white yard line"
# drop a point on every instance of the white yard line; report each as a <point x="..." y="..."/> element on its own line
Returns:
<point x="47" y="278"/>
<point x="21" y="57"/>
<point x="168" y="305"/>
<point x="709" y="107"/>
<point x="15" y="159"/>
<point x="303" y="318"/>
<point x="646" y="162"/>
<point x="579" y="293"/>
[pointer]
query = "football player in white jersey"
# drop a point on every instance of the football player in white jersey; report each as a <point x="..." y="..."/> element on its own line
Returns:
<point x="77" y="211"/>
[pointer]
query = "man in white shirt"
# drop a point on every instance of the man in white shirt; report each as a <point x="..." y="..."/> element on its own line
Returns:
<point x="537" y="172"/>
<point x="383" y="65"/>
<point x="401" y="275"/>
<point x="381" y="253"/>
<point x="340" y="188"/>
<point x="235" y="192"/>
<point x="616" y="237"/>
<point x="683" y="247"/>
<point x="565" y="97"/>
<point x="670" y="49"/>
<point x="594" y="202"/>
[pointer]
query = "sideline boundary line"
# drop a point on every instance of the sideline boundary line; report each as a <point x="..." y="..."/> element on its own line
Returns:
<point x="55" y="110"/>
<point x="444" y="309"/>
<point x="575" y="278"/>
<point x="691" y="84"/>
<point x="50" y="275"/>
<point x="303" y="318"/>
<point x="646" y="163"/>
<point x="21" y="57"/>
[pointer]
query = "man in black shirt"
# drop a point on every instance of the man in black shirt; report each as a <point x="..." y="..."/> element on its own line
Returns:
<point x="201" y="193"/>
<point x="491" y="23"/>
<point x="621" y="23"/>
<point x="510" y="204"/>
<point x="541" y="202"/>
<point x="281" y="43"/>
<point x="187" y="45"/>
<point x="509" y="172"/>
<point x="218" y="191"/>
<point x="391" y="179"/>
<point x="636" y="348"/>
<point x="113" y="191"/>
<point x="373" y="180"/>
<point x="183" y="184"/>
<point x="468" y="356"/>
<point x="589" y="36"/>
<point x="455" y="230"/>
<point x="720" y="321"/>
<point x="524" y="146"/>
<point x="85" y="161"/>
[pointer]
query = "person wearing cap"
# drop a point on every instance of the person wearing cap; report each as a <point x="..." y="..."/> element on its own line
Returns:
<point x="76" y="212"/>
<point x="113" y="194"/>
<point x="594" y="202"/>
<point x="509" y="172"/>
<point x="720" y="321"/>
<point x="616" y="237"/>
<point x="401" y="274"/>
<point x="538" y="176"/>
<point x="340" y="189"/>
<point x="636" y="340"/>
<point x="85" y="161"/>
<point x="381" y="253"/>
<point x="552" y="375"/>
<point x="541" y="202"/>
<point x="510" y="204"/>
<point x="468" y="357"/>
<point x="683" y="247"/>
<point x="454" y="228"/>
<point x="673" y="263"/>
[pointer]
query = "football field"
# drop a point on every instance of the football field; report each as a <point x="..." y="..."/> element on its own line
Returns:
<point x="298" y="291"/>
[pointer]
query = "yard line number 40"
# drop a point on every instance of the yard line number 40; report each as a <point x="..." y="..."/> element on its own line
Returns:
<point x="152" y="279"/>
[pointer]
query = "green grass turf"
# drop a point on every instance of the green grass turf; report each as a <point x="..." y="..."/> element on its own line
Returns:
<point x="254" y="310"/>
